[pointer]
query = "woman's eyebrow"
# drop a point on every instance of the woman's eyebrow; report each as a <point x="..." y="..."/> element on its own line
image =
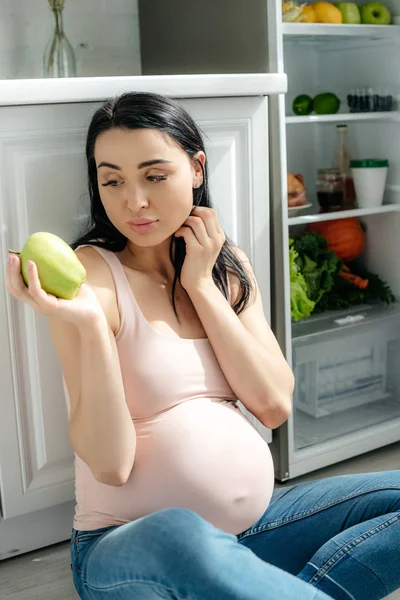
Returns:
<point x="110" y="165"/>
<point x="154" y="161"/>
<point x="142" y="165"/>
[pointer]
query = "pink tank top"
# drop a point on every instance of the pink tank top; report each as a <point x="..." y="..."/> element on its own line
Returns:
<point x="195" y="448"/>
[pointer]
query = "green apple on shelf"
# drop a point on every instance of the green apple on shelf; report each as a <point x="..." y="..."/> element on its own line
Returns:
<point x="350" y="12"/>
<point x="375" y="13"/>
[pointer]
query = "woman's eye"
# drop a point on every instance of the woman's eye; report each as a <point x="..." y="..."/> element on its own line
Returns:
<point x="156" y="177"/>
<point x="112" y="183"/>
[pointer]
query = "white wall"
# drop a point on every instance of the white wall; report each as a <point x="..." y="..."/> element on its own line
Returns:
<point x="103" y="33"/>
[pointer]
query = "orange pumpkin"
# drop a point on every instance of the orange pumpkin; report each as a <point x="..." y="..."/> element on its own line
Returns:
<point x="345" y="237"/>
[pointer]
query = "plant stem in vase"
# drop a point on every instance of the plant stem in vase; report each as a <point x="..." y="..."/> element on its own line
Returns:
<point x="59" y="57"/>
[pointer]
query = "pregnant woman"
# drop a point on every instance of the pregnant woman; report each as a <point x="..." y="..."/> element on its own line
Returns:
<point x="174" y="486"/>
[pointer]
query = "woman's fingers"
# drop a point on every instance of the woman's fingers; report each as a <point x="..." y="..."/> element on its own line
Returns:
<point x="42" y="298"/>
<point x="189" y="236"/>
<point x="33" y="295"/>
<point x="197" y="226"/>
<point x="15" y="284"/>
<point x="34" y="287"/>
<point x="211" y="224"/>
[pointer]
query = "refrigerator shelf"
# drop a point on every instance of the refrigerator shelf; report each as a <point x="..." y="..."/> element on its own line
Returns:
<point x="316" y="33"/>
<point x="344" y="118"/>
<point x="343" y="214"/>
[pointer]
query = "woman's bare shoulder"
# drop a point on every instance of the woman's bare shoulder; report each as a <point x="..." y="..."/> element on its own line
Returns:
<point x="99" y="277"/>
<point x="89" y="256"/>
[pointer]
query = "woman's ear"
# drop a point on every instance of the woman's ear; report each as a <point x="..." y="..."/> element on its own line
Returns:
<point x="198" y="162"/>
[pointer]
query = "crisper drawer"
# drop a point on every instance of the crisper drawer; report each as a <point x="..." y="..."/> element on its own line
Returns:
<point x="347" y="369"/>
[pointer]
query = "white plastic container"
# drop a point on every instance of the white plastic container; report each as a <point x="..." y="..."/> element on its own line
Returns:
<point x="369" y="176"/>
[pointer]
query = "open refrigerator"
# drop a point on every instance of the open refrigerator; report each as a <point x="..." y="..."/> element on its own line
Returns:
<point x="346" y="362"/>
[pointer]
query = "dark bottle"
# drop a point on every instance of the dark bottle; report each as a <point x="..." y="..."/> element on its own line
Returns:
<point x="341" y="161"/>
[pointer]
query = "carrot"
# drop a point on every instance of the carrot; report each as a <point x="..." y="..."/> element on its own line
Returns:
<point x="354" y="279"/>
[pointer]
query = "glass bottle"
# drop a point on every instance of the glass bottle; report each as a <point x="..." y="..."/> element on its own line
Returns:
<point x="59" y="57"/>
<point x="341" y="161"/>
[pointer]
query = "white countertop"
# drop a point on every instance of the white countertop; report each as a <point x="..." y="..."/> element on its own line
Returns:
<point x="92" y="89"/>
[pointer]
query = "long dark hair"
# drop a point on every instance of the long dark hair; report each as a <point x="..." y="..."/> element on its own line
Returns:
<point x="152" y="111"/>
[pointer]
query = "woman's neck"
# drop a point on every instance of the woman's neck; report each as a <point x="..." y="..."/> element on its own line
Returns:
<point x="154" y="260"/>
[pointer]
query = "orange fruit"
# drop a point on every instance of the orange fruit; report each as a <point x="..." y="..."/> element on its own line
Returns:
<point x="307" y="14"/>
<point x="327" y="13"/>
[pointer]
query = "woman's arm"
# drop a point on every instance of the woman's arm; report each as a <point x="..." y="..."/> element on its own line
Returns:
<point x="247" y="351"/>
<point x="101" y="429"/>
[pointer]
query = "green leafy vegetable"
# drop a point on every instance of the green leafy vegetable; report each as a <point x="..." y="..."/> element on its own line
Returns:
<point x="300" y="305"/>
<point x="344" y="295"/>
<point x="315" y="283"/>
<point x="317" y="264"/>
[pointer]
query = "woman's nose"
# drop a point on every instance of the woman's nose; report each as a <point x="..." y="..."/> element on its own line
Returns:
<point x="136" y="199"/>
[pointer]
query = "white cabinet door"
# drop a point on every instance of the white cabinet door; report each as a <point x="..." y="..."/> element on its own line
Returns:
<point x="43" y="188"/>
<point x="42" y="182"/>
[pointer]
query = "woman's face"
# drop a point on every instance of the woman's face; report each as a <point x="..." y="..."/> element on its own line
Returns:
<point x="143" y="174"/>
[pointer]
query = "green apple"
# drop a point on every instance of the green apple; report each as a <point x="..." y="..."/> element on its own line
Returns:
<point x="60" y="271"/>
<point x="350" y="12"/>
<point x="375" y="13"/>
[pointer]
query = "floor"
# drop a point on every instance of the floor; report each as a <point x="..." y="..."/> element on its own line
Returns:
<point x="46" y="575"/>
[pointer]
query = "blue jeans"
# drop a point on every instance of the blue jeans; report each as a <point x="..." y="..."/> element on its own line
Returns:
<point x="334" y="538"/>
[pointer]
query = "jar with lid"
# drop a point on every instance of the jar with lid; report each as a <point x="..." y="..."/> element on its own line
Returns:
<point x="330" y="189"/>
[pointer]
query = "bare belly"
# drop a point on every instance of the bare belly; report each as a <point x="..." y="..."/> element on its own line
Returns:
<point x="203" y="455"/>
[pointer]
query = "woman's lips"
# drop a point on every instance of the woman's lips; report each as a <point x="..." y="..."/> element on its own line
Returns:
<point x="143" y="227"/>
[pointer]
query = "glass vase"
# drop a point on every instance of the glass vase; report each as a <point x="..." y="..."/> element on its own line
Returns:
<point x="59" y="57"/>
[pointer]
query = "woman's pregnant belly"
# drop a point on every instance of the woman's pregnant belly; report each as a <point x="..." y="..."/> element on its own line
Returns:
<point x="203" y="455"/>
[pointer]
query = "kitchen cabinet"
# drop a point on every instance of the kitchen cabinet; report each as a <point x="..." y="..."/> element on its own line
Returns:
<point x="43" y="187"/>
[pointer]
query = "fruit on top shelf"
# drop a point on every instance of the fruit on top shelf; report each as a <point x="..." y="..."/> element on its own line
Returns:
<point x="302" y="105"/>
<point x="326" y="104"/>
<point x="350" y="12"/>
<point x="291" y="11"/>
<point x="327" y="13"/>
<point x="318" y="12"/>
<point x="375" y="13"/>
<point x="308" y="14"/>
<point x="295" y="189"/>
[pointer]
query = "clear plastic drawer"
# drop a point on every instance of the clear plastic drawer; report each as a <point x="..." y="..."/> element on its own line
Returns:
<point x="347" y="369"/>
